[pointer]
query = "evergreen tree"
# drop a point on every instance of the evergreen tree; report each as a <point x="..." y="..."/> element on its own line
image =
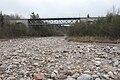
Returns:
<point x="34" y="16"/>
<point x="88" y="16"/>
<point x="1" y="19"/>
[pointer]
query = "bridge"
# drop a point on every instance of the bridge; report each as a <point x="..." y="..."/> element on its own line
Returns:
<point x="53" y="21"/>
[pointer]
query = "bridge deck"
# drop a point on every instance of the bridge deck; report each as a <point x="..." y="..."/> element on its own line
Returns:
<point x="71" y="18"/>
<point x="54" y="21"/>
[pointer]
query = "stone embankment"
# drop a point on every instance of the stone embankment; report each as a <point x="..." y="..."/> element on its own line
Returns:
<point x="53" y="58"/>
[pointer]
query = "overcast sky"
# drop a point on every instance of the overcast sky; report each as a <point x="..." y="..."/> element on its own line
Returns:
<point x="58" y="8"/>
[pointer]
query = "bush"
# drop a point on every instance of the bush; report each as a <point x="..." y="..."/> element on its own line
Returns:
<point x="108" y="26"/>
<point x="13" y="30"/>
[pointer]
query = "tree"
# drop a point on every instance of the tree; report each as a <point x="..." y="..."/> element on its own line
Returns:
<point x="34" y="16"/>
<point x="37" y="16"/>
<point x="88" y="16"/>
<point x="1" y="19"/>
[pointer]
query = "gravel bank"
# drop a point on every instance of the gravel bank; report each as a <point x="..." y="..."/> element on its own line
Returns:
<point x="58" y="59"/>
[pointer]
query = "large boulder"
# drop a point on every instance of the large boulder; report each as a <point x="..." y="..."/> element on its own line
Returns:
<point x="85" y="77"/>
<point x="69" y="78"/>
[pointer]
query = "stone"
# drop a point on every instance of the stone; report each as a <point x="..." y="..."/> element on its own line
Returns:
<point x="87" y="72"/>
<point x="1" y="76"/>
<point x="105" y="76"/>
<point x="54" y="75"/>
<point x="97" y="63"/>
<point x="119" y="66"/>
<point x="110" y="73"/>
<point x="99" y="53"/>
<point x="75" y="75"/>
<point x="95" y="76"/>
<point x="69" y="78"/>
<point x="115" y="62"/>
<point x="14" y="53"/>
<point x="19" y="51"/>
<point x="2" y="70"/>
<point x="11" y="78"/>
<point x="97" y="79"/>
<point x="36" y="64"/>
<point x="37" y="70"/>
<point x="27" y="53"/>
<point x="37" y="76"/>
<point x="0" y="63"/>
<point x="22" y="79"/>
<point x="118" y="69"/>
<point x="85" y="77"/>
<point x="21" y="57"/>
<point x="97" y="59"/>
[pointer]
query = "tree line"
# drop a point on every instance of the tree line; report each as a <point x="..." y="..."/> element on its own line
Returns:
<point x="108" y="26"/>
<point x="13" y="30"/>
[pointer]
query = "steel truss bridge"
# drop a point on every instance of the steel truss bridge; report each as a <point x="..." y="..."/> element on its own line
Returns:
<point x="53" y="21"/>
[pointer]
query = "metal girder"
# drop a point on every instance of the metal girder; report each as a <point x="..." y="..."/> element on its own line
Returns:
<point x="52" y="21"/>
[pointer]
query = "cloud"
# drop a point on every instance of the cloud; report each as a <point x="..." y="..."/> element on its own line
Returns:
<point x="58" y="8"/>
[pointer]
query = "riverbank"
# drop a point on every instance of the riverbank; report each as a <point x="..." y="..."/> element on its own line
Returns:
<point x="90" y="39"/>
<point x="59" y="59"/>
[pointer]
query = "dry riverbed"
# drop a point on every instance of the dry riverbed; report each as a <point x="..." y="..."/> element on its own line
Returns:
<point x="58" y="59"/>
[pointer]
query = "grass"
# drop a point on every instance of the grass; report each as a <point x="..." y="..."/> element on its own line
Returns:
<point x="92" y="39"/>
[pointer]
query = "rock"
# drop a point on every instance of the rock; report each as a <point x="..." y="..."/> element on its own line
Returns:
<point x="97" y="59"/>
<point x="85" y="77"/>
<point x="0" y="63"/>
<point x="65" y="51"/>
<point x="54" y="75"/>
<point x="99" y="53"/>
<point x="97" y="63"/>
<point x="26" y="74"/>
<point x="37" y="76"/>
<point x="2" y="70"/>
<point x="22" y="79"/>
<point x="76" y="75"/>
<point x="119" y="66"/>
<point x="105" y="76"/>
<point x="1" y="76"/>
<point x="11" y="78"/>
<point x="115" y="48"/>
<point x="115" y="62"/>
<point x="97" y="79"/>
<point x="14" y="53"/>
<point x="36" y="64"/>
<point x="19" y="51"/>
<point x="25" y="78"/>
<point x="69" y="78"/>
<point x="27" y="53"/>
<point x="110" y="73"/>
<point x="21" y="57"/>
<point x="118" y="70"/>
<point x="95" y="76"/>
<point x="75" y="51"/>
<point x="87" y="72"/>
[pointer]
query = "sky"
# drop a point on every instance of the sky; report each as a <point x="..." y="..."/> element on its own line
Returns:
<point x="58" y="8"/>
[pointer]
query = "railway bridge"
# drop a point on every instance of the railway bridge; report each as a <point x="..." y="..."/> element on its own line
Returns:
<point x="53" y="21"/>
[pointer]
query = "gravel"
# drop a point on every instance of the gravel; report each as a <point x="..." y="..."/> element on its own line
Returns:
<point x="58" y="59"/>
